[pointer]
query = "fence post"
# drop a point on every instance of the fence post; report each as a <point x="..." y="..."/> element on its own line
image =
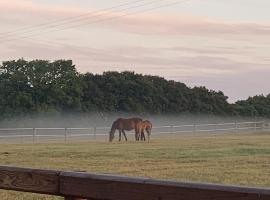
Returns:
<point x="66" y="132"/>
<point x="194" y="128"/>
<point x="235" y="127"/>
<point x="216" y="128"/>
<point x="262" y="126"/>
<point x="34" y="134"/>
<point x="95" y="130"/>
<point x="172" y="129"/>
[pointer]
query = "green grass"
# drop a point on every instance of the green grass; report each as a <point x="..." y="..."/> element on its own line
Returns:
<point x="227" y="159"/>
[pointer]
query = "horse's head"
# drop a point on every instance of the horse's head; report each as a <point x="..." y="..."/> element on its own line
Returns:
<point x="112" y="131"/>
<point x="111" y="135"/>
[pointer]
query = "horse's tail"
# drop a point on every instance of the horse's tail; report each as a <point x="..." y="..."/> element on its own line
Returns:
<point x="149" y="130"/>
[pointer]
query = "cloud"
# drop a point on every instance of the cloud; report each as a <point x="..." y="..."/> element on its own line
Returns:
<point x="143" y="24"/>
<point x="27" y="12"/>
<point x="29" y="6"/>
<point x="220" y="54"/>
<point x="237" y="86"/>
<point x="187" y="25"/>
<point x="151" y="59"/>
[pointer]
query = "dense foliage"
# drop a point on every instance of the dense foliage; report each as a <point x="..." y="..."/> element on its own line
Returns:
<point x="254" y="106"/>
<point x="42" y="86"/>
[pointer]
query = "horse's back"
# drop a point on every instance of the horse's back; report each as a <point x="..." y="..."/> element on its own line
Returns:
<point x="129" y="123"/>
<point x="147" y="124"/>
<point x="135" y="119"/>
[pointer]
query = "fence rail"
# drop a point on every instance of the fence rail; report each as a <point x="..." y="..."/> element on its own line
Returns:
<point x="94" y="132"/>
<point x="77" y="185"/>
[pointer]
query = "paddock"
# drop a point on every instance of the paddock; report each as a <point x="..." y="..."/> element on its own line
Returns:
<point x="230" y="159"/>
<point x="99" y="133"/>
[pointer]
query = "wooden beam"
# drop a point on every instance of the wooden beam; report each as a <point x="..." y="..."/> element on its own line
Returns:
<point x="108" y="187"/>
<point x="74" y="198"/>
<point x="29" y="180"/>
<point x="264" y="197"/>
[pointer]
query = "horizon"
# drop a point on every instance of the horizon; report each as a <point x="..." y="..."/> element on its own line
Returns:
<point x="216" y="44"/>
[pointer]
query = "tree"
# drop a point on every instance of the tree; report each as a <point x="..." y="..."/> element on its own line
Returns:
<point x="39" y="86"/>
<point x="44" y="86"/>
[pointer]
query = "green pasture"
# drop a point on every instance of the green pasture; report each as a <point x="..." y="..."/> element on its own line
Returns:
<point x="226" y="159"/>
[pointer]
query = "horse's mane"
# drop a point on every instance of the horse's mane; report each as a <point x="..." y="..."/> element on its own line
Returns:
<point x="115" y="123"/>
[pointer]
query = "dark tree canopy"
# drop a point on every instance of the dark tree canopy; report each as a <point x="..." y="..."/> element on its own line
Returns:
<point x="40" y="86"/>
<point x="254" y="106"/>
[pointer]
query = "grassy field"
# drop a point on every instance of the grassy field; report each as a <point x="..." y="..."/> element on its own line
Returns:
<point x="227" y="159"/>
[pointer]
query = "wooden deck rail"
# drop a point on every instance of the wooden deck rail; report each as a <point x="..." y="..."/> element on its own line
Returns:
<point x="107" y="187"/>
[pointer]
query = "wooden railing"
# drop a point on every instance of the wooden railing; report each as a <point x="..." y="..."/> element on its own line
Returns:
<point x="77" y="185"/>
<point x="68" y="134"/>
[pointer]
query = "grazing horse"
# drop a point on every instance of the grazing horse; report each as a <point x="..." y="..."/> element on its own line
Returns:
<point x="146" y="126"/>
<point x="129" y="124"/>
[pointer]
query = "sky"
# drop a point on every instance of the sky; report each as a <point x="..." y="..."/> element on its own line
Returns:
<point x="221" y="44"/>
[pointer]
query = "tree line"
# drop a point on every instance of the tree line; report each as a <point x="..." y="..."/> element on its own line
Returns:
<point x="41" y="86"/>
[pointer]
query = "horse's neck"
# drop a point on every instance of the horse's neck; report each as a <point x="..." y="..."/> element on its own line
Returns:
<point x="114" y="127"/>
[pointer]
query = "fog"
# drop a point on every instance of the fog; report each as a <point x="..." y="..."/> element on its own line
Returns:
<point x="85" y="120"/>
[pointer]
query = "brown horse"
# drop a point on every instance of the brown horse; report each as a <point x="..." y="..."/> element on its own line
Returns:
<point x="129" y="124"/>
<point x="146" y="126"/>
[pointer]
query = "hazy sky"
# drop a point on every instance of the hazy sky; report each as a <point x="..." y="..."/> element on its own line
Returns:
<point x="221" y="44"/>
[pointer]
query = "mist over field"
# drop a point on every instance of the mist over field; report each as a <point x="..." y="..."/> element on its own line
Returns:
<point x="85" y="120"/>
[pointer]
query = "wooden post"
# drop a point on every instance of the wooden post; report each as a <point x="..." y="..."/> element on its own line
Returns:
<point x="34" y="134"/>
<point x="262" y="126"/>
<point x="194" y="128"/>
<point x="235" y="127"/>
<point x="66" y="132"/>
<point x="95" y="130"/>
<point x="172" y="129"/>
<point x="215" y="129"/>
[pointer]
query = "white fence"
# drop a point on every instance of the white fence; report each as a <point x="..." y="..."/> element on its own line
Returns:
<point x="91" y="133"/>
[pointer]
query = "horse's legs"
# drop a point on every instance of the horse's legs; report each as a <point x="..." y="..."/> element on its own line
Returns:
<point x="137" y="135"/>
<point x="124" y="134"/>
<point x="142" y="135"/>
<point x="148" y="134"/>
<point x="119" y="135"/>
<point x="138" y="132"/>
